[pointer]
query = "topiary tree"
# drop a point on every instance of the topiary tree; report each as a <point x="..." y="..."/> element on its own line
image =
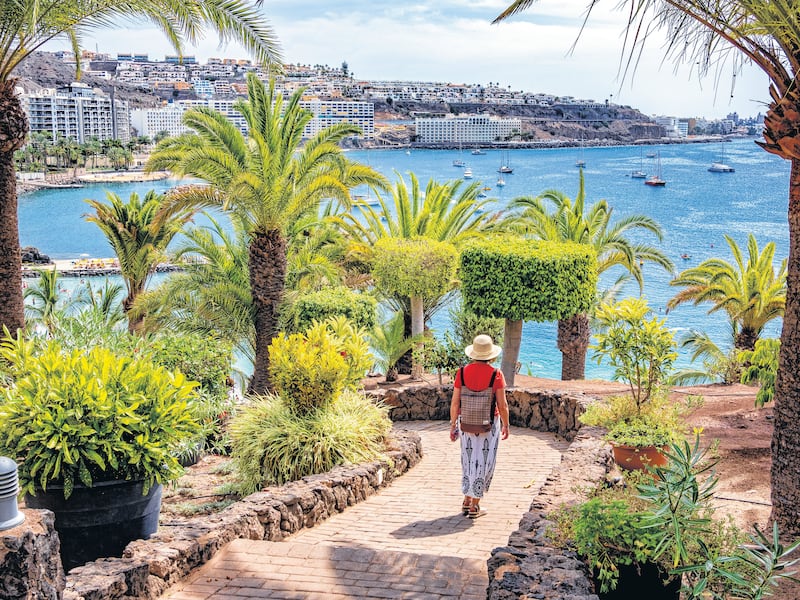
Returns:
<point x="359" y="309"/>
<point x="519" y="280"/>
<point x="416" y="268"/>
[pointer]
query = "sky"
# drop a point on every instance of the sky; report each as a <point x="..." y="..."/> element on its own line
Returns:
<point x="451" y="41"/>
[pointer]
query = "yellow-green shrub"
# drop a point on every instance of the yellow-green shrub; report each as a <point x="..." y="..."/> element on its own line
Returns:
<point x="307" y="369"/>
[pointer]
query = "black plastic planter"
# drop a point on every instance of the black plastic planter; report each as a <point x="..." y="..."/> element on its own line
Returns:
<point x="101" y="520"/>
<point x="647" y="581"/>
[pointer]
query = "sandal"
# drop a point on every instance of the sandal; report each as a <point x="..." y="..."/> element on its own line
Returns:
<point x="465" y="507"/>
<point x="475" y="511"/>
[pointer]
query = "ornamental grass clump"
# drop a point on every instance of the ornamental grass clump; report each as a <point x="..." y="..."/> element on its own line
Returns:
<point x="272" y="444"/>
<point x="78" y="417"/>
<point x="315" y="419"/>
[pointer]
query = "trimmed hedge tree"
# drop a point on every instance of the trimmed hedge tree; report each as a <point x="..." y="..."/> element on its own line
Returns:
<point x="360" y="309"/>
<point x="518" y="280"/>
<point x="417" y="268"/>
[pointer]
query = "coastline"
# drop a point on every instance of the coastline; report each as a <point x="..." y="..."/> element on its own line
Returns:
<point x="86" y="267"/>
<point x="62" y="181"/>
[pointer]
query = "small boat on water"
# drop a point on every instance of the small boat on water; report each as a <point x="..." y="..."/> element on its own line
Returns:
<point x="720" y="166"/>
<point x="478" y="151"/>
<point x="580" y="163"/>
<point x="638" y="174"/>
<point x="500" y="182"/>
<point x="504" y="168"/>
<point x="459" y="163"/>
<point x="467" y="173"/>
<point x="651" y="155"/>
<point x="656" y="180"/>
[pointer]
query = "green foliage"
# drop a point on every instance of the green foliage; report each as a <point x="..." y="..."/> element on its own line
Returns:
<point x="360" y="309"/>
<point x="309" y="370"/>
<point x="608" y="534"/>
<point x="658" y="423"/>
<point x="444" y="356"/>
<point x="517" y="279"/>
<point x="273" y="444"/>
<point x="389" y="343"/>
<point x="467" y="325"/>
<point x="641" y="350"/>
<point x="201" y="358"/>
<point x="725" y="367"/>
<point x="762" y="366"/>
<point x="352" y="344"/>
<point x="80" y="416"/>
<point x="417" y="267"/>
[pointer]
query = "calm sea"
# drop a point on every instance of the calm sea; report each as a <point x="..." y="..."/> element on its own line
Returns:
<point x="696" y="209"/>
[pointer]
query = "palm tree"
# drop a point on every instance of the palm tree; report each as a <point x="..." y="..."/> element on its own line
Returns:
<point x="139" y="232"/>
<point x="26" y="25"/>
<point x="763" y="33"/>
<point x="211" y="296"/>
<point x="44" y="302"/>
<point x="553" y="216"/>
<point x="266" y="183"/>
<point x="751" y="293"/>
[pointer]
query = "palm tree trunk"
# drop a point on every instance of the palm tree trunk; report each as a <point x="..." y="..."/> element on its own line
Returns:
<point x="13" y="129"/>
<point x="573" y="341"/>
<point x="512" y="340"/>
<point x="417" y="328"/>
<point x="746" y="339"/>
<point x="786" y="433"/>
<point x="267" y="266"/>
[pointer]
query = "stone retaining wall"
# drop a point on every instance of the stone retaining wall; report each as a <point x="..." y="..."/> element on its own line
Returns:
<point x="530" y="566"/>
<point x="148" y="567"/>
<point x="541" y="410"/>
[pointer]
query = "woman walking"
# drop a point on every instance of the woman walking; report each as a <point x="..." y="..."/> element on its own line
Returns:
<point x="479" y="417"/>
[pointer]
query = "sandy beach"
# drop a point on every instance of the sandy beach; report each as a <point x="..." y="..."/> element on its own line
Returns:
<point x="123" y="176"/>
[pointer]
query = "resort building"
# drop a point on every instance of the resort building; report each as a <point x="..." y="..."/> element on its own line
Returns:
<point x="78" y="112"/>
<point x="465" y="129"/>
<point x="150" y="121"/>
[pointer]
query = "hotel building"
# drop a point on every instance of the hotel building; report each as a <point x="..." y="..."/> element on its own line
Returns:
<point x="465" y="129"/>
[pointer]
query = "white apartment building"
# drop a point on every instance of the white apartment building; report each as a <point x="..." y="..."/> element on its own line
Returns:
<point x="151" y="121"/>
<point x="78" y="112"/>
<point x="466" y="129"/>
<point x="327" y="113"/>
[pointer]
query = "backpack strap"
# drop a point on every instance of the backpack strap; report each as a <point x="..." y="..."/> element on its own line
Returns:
<point x="494" y="400"/>
<point x="461" y="375"/>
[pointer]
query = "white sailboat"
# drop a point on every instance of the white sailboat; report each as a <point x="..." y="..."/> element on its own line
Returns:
<point x="720" y="166"/>
<point x="580" y="163"/>
<point x="504" y="167"/>
<point x="639" y="174"/>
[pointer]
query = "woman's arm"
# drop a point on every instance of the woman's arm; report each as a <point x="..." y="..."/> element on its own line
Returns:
<point x="502" y="408"/>
<point x="455" y="408"/>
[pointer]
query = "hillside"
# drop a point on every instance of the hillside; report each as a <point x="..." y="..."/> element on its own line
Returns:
<point x="42" y="70"/>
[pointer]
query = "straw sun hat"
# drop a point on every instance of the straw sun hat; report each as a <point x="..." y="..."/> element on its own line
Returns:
<point x="482" y="348"/>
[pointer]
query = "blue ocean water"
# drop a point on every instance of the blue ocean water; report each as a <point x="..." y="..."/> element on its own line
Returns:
<point x="696" y="209"/>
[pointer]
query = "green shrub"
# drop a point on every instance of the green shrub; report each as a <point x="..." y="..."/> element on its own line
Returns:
<point x="417" y="267"/>
<point x="201" y="358"/>
<point x="273" y="444"/>
<point x="467" y="325"/>
<point x="762" y="366"/>
<point x="308" y="370"/>
<point x="353" y="346"/>
<point x="509" y="277"/>
<point x="641" y="350"/>
<point x="360" y="309"/>
<point x="75" y="416"/>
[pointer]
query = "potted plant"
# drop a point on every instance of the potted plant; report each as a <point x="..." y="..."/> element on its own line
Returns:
<point x="94" y="435"/>
<point x="641" y="349"/>
<point x="655" y="537"/>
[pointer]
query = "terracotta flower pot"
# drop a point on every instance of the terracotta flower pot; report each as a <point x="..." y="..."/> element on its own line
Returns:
<point x="638" y="458"/>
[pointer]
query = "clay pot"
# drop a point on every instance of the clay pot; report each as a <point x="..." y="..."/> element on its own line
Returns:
<point x="638" y="458"/>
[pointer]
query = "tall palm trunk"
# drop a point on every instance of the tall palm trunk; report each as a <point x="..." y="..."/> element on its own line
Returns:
<point x="786" y="433"/>
<point x="134" y="323"/>
<point x="267" y="266"/>
<point x="573" y="341"/>
<point x="512" y="339"/>
<point x="13" y="129"/>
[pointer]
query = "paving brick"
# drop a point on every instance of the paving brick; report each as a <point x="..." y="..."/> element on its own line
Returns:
<point x="409" y="541"/>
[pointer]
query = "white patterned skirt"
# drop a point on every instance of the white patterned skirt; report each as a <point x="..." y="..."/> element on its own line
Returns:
<point x="478" y="458"/>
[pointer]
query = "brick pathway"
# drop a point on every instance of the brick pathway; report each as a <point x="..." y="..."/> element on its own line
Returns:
<point x="408" y="541"/>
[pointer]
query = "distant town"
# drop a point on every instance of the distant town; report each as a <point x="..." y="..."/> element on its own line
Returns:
<point x="131" y="95"/>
